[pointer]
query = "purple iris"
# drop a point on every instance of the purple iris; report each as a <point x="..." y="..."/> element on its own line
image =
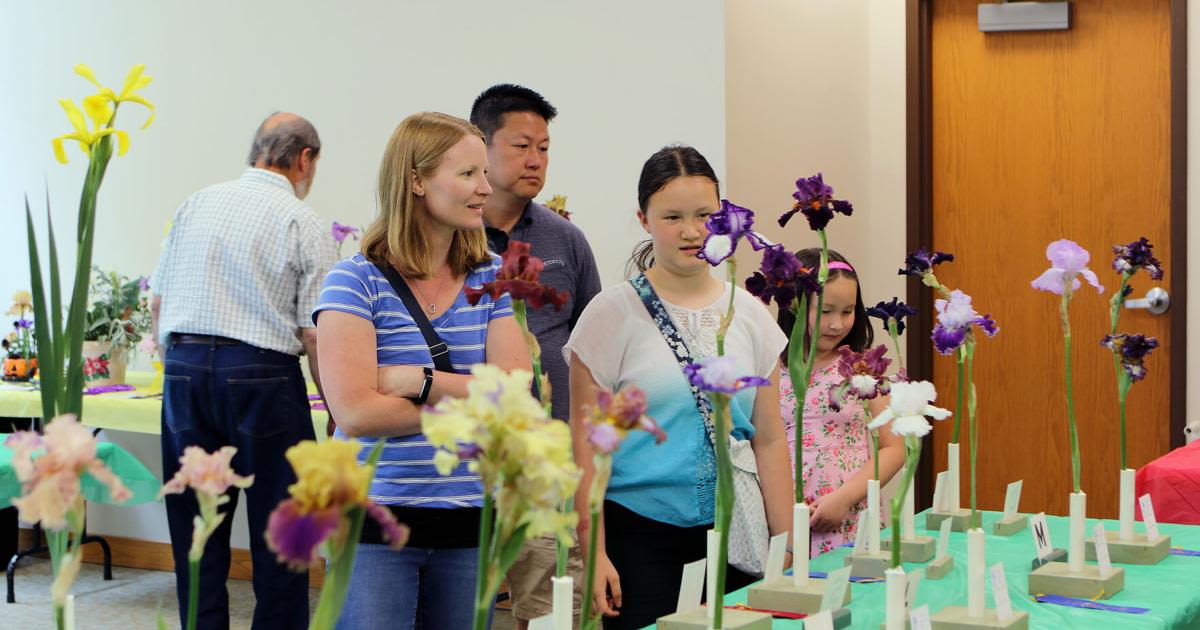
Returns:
<point x="955" y="317"/>
<point x="144" y="283"/>
<point x="782" y="278"/>
<point x="1067" y="261"/>
<point x="815" y="199"/>
<point x="1137" y="255"/>
<point x="718" y="375"/>
<point x="922" y="262"/>
<point x="726" y="227"/>
<point x="894" y="311"/>
<point x="340" y="232"/>
<point x="1132" y="350"/>
<point x="23" y="323"/>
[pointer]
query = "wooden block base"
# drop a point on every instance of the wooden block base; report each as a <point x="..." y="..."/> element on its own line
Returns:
<point x="915" y="549"/>
<point x="782" y="594"/>
<point x="1010" y="526"/>
<point x="698" y="620"/>
<point x="959" y="519"/>
<point x="868" y="565"/>
<point x="1136" y="551"/>
<point x="1056" y="578"/>
<point x="939" y="568"/>
<point x="956" y="618"/>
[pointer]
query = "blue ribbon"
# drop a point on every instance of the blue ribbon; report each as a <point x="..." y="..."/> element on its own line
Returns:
<point x="1075" y="602"/>
<point x="821" y="575"/>
<point x="1184" y="552"/>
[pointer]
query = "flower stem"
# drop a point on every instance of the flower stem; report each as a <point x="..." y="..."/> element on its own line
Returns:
<point x="585" y="619"/>
<point x="912" y="455"/>
<point x="895" y="335"/>
<point x="1123" y="384"/>
<point x="727" y="318"/>
<point x="1066" y="324"/>
<point x="976" y="517"/>
<point x="874" y="435"/>
<point x="484" y="561"/>
<point x="193" y="592"/>
<point x="800" y="378"/>
<point x="960" y="357"/>
<point x="724" y="510"/>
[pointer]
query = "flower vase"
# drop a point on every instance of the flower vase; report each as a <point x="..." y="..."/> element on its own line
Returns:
<point x="103" y="364"/>
<point x="951" y="507"/>
<point x="17" y="369"/>
<point x="702" y="618"/>
<point x="1126" y="546"/>
<point x="1075" y="578"/>
<point x="913" y="548"/>
<point x="976" y="614"/>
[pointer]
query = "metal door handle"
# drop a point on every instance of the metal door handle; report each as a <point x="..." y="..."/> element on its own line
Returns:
<point x="1157" y="301"/>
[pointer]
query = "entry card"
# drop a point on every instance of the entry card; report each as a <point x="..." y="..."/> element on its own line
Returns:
<point x="943" y="544"/>
<point x="918" y="619"/>
<point x="545" y="622"/>
<point x="938" y="492"/>
<point x="835" y="589"/>
<point x="1148" y="517"/>
<point x="691" y="588"/>
<point x="1012" y="498"/>
<point x="1041" y="536"/>
<point x="1004" y="610"/>
<point x="775" y="551"/>
<point x="1101" y="542"/>
<point x="911" y="583"/>
<point x="819" y="621"/>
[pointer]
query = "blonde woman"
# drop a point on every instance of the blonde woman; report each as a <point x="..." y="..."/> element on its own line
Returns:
<point x="378" y="368"/>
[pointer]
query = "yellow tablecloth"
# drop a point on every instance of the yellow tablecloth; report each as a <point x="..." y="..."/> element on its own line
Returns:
<point x="117" y="411"/>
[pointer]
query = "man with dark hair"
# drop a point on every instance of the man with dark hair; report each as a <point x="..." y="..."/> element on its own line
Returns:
<point x="234" y="290"/>
<point x="515" y="121"/>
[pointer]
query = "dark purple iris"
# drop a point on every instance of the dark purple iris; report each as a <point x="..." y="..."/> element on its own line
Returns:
<point x="922" y="262"/>
<point x="815" y="199"/>
<point x="726" y="227"/>
<point x="1137" y="255"/>
<point x="1132" y="350"/>
<point x="782" y="278"/>
<point x="895" y="311"/>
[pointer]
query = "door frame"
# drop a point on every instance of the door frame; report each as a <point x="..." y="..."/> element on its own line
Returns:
<point x="919" y="204"/>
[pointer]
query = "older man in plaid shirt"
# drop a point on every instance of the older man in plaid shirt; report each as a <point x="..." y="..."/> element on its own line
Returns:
<point x="239" y="274"/>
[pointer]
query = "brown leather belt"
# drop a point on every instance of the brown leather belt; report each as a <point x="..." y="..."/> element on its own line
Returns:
<point x="208" y="340"/>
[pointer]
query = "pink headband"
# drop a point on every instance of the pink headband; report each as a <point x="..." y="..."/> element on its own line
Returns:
<point x="837" y="264"/>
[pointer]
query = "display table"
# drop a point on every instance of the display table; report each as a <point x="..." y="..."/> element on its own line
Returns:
<point x="1174" y="482"/>
<point x="1168" y="589"/>
<point x="118" y="411"/>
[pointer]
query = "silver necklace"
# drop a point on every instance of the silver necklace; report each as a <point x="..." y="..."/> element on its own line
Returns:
<point x="432" y="308"/>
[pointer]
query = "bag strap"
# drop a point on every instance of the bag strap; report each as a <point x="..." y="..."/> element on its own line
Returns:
<point x="662" y="319"/>
<point x="438" y="349"/>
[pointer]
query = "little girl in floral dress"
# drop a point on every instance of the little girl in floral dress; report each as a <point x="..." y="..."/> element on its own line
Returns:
<point x="837" y="446"/>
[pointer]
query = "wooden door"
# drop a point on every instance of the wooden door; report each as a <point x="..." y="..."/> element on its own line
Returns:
<point x="1038" y="136"/>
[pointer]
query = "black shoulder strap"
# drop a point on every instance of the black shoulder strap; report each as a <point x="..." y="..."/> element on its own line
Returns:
<point x="683" y="356"/>
<point x="437" y="348"/>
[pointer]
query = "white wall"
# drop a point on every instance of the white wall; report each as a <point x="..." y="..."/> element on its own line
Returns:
<point x="627" y="77"/>
<point x="819" y="86"/>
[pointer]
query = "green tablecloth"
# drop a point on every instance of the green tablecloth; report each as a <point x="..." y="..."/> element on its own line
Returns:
<point x="1170" y="589"/>
<point x="116" y="410"/>
<point x="142" y="483"/>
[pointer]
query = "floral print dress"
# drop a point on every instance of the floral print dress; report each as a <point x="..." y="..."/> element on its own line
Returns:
<point x="836" y="447"/>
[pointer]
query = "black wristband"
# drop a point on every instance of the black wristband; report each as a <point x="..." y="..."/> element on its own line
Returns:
<point x="425" y="387"/>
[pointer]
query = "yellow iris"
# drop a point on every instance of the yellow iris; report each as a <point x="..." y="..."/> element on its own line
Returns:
<point x="328" y="474"/>
<point x="99" y="108"/>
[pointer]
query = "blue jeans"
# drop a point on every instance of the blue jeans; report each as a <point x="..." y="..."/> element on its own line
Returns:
<point x="255" y="400"/>
<point x="431" y="589"/>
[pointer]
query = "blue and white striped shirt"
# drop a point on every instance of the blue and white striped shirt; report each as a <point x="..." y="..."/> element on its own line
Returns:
<point x="405" y="474"/>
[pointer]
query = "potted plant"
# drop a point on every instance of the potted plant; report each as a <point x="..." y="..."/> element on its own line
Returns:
<point x="116" y="321"/>
<point x="20" y="349"/>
